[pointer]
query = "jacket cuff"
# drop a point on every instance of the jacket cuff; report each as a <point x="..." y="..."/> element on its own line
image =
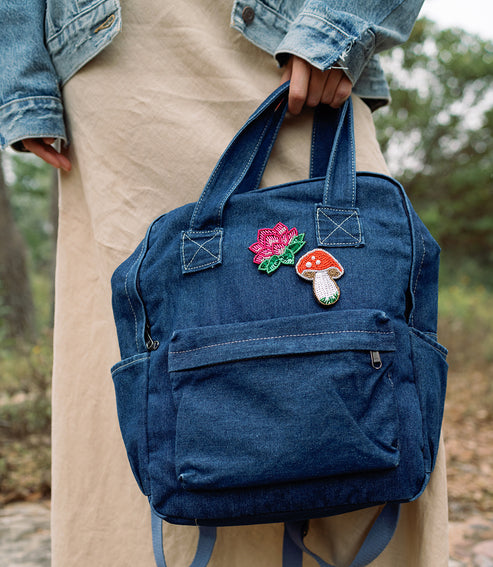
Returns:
<point x="327" y="38"/>
<point x="372" y="80"/>
<point x="31" y="117"/>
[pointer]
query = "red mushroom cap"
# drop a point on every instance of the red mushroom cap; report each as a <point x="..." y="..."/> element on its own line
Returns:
<point x="318" y="260"/>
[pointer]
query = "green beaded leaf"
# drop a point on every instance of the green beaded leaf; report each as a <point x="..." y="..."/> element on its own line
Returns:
<point x="274" y="263"/>
<point x="263" y="266"/>
<point x="296" y="243"/>
<point x="287" y="257"/>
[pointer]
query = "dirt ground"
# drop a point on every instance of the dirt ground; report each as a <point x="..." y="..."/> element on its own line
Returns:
<point x="468" y="431"/>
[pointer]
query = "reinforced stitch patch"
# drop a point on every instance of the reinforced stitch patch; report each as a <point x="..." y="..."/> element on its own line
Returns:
<point x="201" y="249"/>
<point x="276" y="246"/>
<point x="338" y="227"/>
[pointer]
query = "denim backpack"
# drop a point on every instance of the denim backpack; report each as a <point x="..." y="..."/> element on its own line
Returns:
<point x="279" y="352"/>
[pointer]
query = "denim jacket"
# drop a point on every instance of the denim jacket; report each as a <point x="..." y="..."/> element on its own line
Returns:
<point x="44" y="42"/>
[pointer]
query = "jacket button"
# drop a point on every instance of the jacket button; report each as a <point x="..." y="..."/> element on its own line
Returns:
<point x="248" y="15"/>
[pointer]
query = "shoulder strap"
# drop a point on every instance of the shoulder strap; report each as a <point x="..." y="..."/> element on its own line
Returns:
<point x="376" y="541"/>
<point x="207" y="540"/>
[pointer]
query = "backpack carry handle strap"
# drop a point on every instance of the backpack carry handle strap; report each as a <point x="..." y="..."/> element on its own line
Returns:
<point x="340" y="180"/>
<point x="242" y="163"/>
<point x="205" y="546"/>
<point x="241" y="166"/>
<point x="376" y="541"/>
<point x="325" y="121"/>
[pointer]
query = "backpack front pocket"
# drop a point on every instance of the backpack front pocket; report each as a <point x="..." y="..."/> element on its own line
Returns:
<point x="286" y="399"/>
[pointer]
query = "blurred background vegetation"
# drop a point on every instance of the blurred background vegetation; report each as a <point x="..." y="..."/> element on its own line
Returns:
<point x="437" y="138"/>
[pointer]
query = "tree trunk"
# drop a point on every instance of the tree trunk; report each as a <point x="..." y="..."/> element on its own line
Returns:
<point x="16" y="303"/>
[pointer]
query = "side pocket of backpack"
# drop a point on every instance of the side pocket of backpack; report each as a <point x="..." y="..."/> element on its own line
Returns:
<point x="430" y="374"/>
<point x="130" y="378"/>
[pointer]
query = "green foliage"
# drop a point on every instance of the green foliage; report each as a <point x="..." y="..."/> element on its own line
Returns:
<point x="25" y="367"/>
<point x="466" y="320"/>
<point x="31" y="199"/>
<point x="25" y="418"/>
<point x="437" y="138"/>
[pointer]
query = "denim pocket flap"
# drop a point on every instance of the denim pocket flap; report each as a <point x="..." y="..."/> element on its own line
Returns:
<point x="335" y="331"/>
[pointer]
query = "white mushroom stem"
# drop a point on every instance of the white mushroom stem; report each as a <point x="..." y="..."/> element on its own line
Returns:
<point x="325" y="288"/>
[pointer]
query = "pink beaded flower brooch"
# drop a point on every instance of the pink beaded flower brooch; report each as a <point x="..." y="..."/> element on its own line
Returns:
<point x="276" y="246"/>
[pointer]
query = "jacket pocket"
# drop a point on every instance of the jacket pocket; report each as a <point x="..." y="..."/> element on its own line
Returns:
<point x="430" y="375"/>
<point x="130" y="381"/>
<point x="286" y="399"/>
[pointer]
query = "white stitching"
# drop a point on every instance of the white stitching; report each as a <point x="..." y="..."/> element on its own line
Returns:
<point x="220" y="166"/>
<point x="280" y="337"/>
<point x="217" y="258"/>
<point x="417" y="278"/>
<point x="314" y="132"/>
<point x="353" y="156"/>
<point x="242" y="175"/>
<point x="337" y="226"/>
<point x="268" y="152"/>
<point x="129" y="298"/>
<point x="201" y="247"/>
<point x="324" y="20"/>
<point x="143" y="358"/>
<point x="323" y="241"/>
<point x="420" y="265"/>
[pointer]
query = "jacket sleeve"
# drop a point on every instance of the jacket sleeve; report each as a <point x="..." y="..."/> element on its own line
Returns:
<point x="30" y="99"/>
<point x="347" y="33"/>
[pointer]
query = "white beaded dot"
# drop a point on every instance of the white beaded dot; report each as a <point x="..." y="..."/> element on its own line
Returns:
<point x="308" y="264"/>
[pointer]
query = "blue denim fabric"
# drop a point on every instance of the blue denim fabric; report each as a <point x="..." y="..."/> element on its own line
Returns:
<point x="254" y="402"/>
<point x="44" y="42"/>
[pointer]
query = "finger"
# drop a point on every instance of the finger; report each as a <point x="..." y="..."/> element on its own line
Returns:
<point x="331" y="85"/>
<point x="298" y="90"/>
<point x="337" y="88"/>
<point x="287" y="71"/>
<point x="47" y="153"/>
<point x="316" y="87"/>
<point x="343" y="92"/>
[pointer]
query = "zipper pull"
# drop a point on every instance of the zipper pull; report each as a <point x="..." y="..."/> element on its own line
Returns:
<point x="151" y="344"/>
<point x="376" y="361"/>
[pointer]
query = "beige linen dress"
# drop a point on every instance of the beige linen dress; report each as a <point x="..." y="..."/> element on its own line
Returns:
<point x="148" y="118"/>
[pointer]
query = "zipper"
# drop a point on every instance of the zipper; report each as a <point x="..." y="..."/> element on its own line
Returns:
<point x="151" y="344"/>
<point x="376" y="361"/>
